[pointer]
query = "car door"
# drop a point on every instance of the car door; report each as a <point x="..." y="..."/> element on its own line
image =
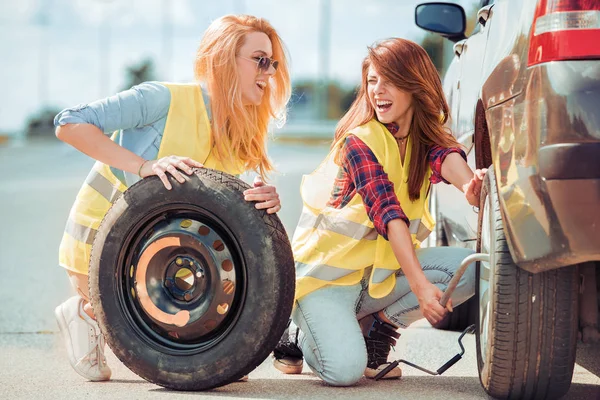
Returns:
<point x="458" y="218"/>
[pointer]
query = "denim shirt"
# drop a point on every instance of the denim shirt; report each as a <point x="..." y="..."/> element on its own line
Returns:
<point x="140" y="113"/>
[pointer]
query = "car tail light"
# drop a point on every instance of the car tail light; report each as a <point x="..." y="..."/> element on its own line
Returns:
<point x="565" y="30"/>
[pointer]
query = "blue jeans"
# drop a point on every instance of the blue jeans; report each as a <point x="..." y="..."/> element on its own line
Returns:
<point x="331" y="339"/>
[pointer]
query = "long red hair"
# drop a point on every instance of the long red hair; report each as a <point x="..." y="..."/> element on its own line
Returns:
<point x="408" y="67"/>
<point x="240" y="131"/>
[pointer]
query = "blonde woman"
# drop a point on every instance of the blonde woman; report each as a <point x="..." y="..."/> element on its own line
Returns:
<point x="166" y="130"/>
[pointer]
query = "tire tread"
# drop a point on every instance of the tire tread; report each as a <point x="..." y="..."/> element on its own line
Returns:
<point x="531" y="350"/>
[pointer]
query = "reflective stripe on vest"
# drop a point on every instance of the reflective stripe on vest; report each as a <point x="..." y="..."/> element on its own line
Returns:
<point x="337" y="225"/>
<point x="82" y="233"/>
<point x="322" y="272"/>
<point x="103" y="186"/>
<point x="418" y="228"/>
<point x="331" y="274"/>
<point x="349" y="229"/>
<point x="354" y="229"/>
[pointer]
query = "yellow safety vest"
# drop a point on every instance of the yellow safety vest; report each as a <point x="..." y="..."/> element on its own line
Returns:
<point x="334" y="246"/>
<point x="187" y="133"/>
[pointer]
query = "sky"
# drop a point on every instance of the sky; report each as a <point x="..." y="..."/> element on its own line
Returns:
<point x="61" y="53"/>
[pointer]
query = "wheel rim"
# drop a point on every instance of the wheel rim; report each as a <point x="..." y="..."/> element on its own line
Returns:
<point x="182" y="279"/>
<point x="485" y="283"/>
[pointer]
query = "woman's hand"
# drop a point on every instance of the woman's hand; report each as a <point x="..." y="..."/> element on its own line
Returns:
<point x="472" y="189"/>
<point x="265" y="195"/>
<point x="171" y="164"/>
<point x="429" y="297"/>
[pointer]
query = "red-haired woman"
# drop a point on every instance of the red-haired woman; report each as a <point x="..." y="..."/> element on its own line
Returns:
<point x="168" y="129"/>
<point x="360" y="272"/>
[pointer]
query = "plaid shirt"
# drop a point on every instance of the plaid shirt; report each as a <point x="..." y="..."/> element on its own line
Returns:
<point x="361" y="172"/>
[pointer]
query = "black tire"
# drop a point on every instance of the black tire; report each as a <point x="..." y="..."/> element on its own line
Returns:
<point x="527" y="323"/>
<point x="441" y="238"/>
<point x="460" y="318"/>
<point x="464" y="314"/>
<point x="217" y="345"/>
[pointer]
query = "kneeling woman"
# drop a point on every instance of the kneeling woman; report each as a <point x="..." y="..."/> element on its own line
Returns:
<point x="360" y="272"/>
<point x="167" y="129"/>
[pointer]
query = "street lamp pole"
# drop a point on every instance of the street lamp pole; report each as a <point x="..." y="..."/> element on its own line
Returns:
<point x="104" y="49"/>
<point x="324" y="52"/>
<point x="167" y="41"/>
<point x="43" y="21"/>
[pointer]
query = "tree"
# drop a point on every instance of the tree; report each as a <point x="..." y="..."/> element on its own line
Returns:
<point x="339" y="99"/>
<point x="138" y="73"/>
<point x="41" y="124"/>
<point x="434" y="46"/>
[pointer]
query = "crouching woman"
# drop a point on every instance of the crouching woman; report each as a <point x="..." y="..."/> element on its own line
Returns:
<point x="360" y="272"/>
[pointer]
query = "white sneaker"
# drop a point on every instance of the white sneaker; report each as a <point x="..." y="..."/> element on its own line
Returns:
<point x="83" y="339"/>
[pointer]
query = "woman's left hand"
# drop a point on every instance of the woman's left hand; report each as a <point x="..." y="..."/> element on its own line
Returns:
<point x="472" y="189"/>
<point x="265" y="195"/>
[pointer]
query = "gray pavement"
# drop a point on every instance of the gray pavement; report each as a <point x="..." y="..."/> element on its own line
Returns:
<point x="37" y="186"/>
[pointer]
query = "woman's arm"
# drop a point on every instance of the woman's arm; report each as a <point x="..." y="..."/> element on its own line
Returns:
<point x="83" y="127"/>
<point x="456" y="171"/>
<point x="427" y="293"/>
<point x="90" y="140"/>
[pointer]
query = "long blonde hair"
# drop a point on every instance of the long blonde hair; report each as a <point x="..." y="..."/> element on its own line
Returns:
<point x="240" y="131"/>
<point x="407" y="66"/>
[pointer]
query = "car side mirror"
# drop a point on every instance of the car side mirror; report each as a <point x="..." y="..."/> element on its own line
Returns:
<point x="446" y="19"/>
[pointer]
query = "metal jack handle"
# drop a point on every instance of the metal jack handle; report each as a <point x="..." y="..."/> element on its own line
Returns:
<point x="443" y="301"/>
<point x="440" y="370"/>
<point x="459" y="273"/>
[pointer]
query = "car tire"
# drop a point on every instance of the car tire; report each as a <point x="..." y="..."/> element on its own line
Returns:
<point x="438" y="237"/>
<point x="460" y="318"/>
<point x="192" y="287"/>
<point x="527" y="323"/>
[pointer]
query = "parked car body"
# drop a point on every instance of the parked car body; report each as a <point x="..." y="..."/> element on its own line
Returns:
<point x="524" y="93"/>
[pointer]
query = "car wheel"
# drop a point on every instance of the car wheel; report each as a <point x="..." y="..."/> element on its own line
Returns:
<point x="462" y="315"/>
<point x="460" y="318"/>
<point x="527" y="323"/>
<point x="192" y="287"/>
<point x="438" y="237"/>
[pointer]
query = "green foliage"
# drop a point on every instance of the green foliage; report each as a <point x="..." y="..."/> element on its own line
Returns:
<point x="141" y="72"/>
<point x="434" y="46"/>
<point x="41" y="124"/>
<point x="339" y="97"/>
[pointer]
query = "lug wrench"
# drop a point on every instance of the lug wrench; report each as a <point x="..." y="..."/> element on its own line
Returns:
<point x="443" y="301"/>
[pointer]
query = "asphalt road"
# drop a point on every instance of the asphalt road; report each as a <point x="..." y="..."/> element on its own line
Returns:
<point x="38" y="184"/>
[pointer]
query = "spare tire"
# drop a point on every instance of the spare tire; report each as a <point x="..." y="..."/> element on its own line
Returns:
<point x="192" y="287"/>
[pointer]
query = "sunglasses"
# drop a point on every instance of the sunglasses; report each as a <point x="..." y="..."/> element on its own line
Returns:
<point x="263" y="63"/>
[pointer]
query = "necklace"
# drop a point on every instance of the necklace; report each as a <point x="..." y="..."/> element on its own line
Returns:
<point x="402" y="139"/>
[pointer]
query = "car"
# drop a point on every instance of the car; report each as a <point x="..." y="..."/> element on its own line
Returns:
<point x="524" y="95"/>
